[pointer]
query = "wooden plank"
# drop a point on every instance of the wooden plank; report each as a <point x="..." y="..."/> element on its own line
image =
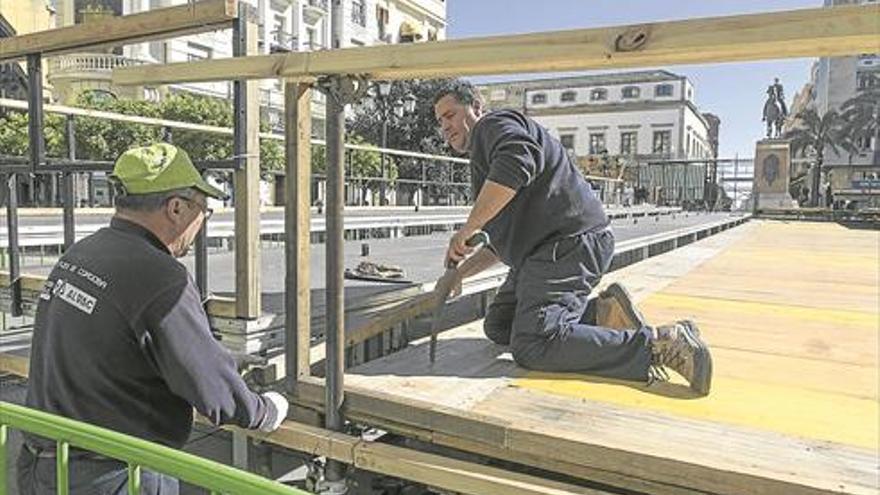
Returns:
<point x="826" y="470"/>
<point x="247" y="192"/>
<point x="455" y="475"/>
<point x="14" y="364"/>
<point x="842" y="30"/>
<point x="297" y="214"/>
<point x="391" y="316"/>
<point x="198" y="17"/>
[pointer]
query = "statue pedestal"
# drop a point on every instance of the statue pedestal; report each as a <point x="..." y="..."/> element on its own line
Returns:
<point x="771" y="181"/>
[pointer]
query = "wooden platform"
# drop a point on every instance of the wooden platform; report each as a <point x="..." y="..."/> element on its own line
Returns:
<point x="791" y="314"/>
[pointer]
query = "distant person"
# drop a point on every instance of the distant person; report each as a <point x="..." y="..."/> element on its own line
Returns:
<point x="121" y="339"/>
<point x="546" y="223"/>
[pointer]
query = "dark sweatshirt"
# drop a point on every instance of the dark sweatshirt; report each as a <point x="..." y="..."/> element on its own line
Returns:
<point x="553" y="200"/>
<point x="121" y="340"/>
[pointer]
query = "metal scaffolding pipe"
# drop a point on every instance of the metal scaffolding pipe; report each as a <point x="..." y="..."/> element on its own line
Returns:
<point x="37" y="141"/>
<point x="69" y="196"/>
<point x="335" y="262"/>
<point x="12" y="234"/>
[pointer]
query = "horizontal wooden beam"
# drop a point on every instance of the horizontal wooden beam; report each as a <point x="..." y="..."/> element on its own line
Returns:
<point x="431" y="469"/>
<point x="841" y="30"/>
<point x="205" y="15"/>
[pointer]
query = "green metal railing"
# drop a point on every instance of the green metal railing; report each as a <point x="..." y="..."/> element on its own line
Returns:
<point x="137" y="453"/>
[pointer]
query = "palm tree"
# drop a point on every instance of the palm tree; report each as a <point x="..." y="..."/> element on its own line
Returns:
<point x="817" y="133"/>
<point x="861" y="115"/>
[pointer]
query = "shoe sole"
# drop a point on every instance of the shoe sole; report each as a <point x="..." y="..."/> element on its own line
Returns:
<point x="619" y="293"/>
<point x="702" y="380"/>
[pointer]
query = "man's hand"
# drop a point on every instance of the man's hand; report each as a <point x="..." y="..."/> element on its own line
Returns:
<point x="276" y="412"/>
<point x="458" y="249"/>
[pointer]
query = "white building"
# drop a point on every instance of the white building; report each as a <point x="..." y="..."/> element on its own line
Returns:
<point x="636" y="114"/>
<point x="833" y="81"/>
<point x="284" y="26"/>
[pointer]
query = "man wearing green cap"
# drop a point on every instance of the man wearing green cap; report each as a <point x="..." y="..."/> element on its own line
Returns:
<point x="121" y="339"/>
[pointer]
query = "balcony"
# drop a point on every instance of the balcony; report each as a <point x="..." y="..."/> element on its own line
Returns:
<point x="90" y="64"/>
<point x="282" y="41"/>
<point x="74" y="73"/>
<point x="314" y="10"/>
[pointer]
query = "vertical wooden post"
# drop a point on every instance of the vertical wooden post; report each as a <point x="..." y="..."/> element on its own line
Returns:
<point x="247" y="176"/>
<point x="297" y="229"/>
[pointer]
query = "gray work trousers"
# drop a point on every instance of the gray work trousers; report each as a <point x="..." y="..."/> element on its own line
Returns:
<point x="87" y="475"/>
<point x="542" y="312"/>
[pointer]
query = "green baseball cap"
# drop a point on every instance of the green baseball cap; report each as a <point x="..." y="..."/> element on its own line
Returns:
<point x="158" y="168"/>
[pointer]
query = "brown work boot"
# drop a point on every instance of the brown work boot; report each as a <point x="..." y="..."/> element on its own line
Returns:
<point x="615" y="309"/>
<point x="679" y="347"/>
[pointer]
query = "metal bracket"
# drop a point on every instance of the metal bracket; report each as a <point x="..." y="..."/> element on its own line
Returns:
<point x="344" y="89"/>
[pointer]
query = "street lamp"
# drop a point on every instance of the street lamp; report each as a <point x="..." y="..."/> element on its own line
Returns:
<point x="399" y="108"/>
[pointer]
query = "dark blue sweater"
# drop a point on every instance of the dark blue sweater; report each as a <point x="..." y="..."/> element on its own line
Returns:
<point x="553" y="200"/>
<point x="121" y="341"/>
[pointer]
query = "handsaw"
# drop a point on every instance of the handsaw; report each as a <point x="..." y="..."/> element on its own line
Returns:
<point x="444" y="286"/>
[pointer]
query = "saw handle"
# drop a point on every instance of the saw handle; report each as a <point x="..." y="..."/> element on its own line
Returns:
<point x="478" y="238"/>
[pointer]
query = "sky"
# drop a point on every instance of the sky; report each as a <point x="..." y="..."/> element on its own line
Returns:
<point x="733" y="91"/>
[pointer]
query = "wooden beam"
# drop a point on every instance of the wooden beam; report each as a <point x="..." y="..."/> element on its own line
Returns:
<point x="247" y="182"/>
<point x="205" y="15"/>
<point x="842" y="30"/>
<point x="297" y="215"/>
<point x="433" y="470"/>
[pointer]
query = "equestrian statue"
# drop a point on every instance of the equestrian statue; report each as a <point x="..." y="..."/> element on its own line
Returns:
<point x="775" y="110"/>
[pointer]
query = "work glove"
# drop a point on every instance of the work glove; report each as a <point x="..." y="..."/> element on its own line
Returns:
<point x="276" y="411"/>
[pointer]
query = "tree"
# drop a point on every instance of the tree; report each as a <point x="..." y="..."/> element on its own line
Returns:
<point x="861" y="116"/>
<point x="14" y="139"/>
<point x="416" y="131"/>
<point x="817" y="133"/>
<point x="102" y="139"/>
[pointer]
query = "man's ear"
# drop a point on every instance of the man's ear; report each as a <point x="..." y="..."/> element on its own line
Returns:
<point x="173" y="208"/>
<point x="478" y="107"/>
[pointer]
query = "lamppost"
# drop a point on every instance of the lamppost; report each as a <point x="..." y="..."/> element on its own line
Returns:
<point x="398" y="107"/>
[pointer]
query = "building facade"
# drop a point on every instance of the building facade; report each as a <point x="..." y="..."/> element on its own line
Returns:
<point x="284" y="26"/>
<point x="833" y="81"/>
<point x="21" y="17"/>
<point x="646" y="114"/>
<point x="645" y="123"/>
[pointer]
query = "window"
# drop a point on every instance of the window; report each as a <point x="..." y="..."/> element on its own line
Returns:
<point x="628" y="143"/>
<point x="359" y="12"/>
<point x="498" y="95"/>
<point x="197" y="52"/>
<point x="597" y="143"/>
<point x="568" y="96"/>
<point x="599" y="94"/>
<point x="662" y="142"/>
<point x="382" y="18"/>
<point x="539" y="98"/>
<point x="567" y="141"/>
<point x="629" y="92"/>
<point x="687" y="148"/>
<point x="663" y="90"/>
<point x="866" y="80"/>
